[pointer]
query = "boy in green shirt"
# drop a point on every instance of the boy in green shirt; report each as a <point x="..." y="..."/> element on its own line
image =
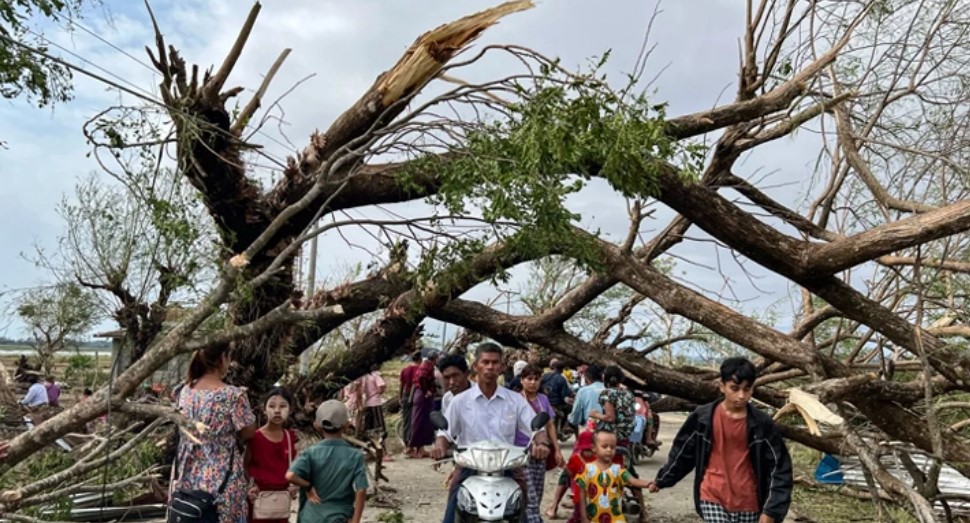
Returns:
<point x="331" y="467"/>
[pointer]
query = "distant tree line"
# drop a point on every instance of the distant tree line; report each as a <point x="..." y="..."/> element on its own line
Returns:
<point x="87" y="344"/>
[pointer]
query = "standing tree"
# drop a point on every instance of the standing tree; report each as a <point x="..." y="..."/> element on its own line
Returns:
<point x="144" y="248"/>
<point x="54" y="315"/>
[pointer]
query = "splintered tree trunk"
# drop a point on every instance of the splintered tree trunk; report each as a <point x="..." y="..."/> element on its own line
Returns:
<point x="260" y="361"/>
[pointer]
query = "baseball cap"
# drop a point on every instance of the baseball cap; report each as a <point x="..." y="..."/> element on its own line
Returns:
<point x="332" y="415"/>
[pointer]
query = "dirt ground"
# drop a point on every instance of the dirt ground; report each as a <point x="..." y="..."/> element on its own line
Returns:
<point x="420" y="492"/>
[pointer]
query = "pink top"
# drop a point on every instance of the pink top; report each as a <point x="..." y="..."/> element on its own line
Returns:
<point x="350" y="395"/>
<point x="374" y="386"/>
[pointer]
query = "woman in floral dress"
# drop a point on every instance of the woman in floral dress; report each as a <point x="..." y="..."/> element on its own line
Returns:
<point x="225" y="411"/>
<point x="618" y="407"/>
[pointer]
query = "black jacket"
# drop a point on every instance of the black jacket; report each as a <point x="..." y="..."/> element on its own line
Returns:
<point x="769" y="457"/>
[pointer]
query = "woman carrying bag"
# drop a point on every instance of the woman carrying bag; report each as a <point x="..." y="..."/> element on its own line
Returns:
<point x="211" y="482"/>
<point x="270" y="454"/>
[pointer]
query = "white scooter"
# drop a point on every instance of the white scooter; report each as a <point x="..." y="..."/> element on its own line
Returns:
<point x="489" y="495"/>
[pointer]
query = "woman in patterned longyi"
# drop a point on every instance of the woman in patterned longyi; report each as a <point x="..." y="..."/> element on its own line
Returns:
<point x="225" y="411"/>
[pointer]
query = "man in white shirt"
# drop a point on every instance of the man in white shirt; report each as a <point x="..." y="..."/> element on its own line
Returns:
<point x="35" y="400"/>
<point x="487" y="411"/>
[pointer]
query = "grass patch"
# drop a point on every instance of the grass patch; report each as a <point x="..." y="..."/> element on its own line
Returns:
<point x="824" y="504"/>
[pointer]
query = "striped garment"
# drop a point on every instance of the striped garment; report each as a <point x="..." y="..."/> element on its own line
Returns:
<point x="535" y="476"/>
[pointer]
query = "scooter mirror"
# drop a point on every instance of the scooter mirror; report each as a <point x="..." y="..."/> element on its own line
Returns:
<point x="539" y="421"/>
<point x="439" y="422"/>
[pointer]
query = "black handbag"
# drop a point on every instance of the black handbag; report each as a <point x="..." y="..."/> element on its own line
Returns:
<point x="197" y="506"/>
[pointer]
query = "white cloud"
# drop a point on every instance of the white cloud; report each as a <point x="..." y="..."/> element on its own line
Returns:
<point x="347" y="45"/>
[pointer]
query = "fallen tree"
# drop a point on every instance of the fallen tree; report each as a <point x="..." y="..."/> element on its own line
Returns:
<point x="497" y="177"/>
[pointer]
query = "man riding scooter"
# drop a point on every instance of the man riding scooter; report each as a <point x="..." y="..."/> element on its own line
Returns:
<point x="487" y="412"/>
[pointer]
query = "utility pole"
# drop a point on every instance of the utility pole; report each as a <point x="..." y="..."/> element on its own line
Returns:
<point x="311" y="276"/>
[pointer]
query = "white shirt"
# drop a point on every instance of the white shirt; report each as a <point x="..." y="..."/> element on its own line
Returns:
<point x="446" y="400"/>
<point x="36" y="395"/>
<point x="473" y="417"/>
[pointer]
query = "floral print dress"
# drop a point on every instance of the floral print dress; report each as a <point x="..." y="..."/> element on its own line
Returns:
<point x="604" y="492"/>
<point x="625" y="408"/>
<point x="225" y="411"/>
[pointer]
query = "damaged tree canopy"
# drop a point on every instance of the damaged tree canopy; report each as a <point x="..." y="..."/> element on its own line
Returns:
<point x="877" y="253"/>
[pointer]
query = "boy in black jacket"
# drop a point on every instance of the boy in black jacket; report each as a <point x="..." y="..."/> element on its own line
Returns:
<point x="742" y="470"/>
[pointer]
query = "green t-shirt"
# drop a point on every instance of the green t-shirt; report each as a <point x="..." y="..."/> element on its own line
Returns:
<point x="336" y="470"/>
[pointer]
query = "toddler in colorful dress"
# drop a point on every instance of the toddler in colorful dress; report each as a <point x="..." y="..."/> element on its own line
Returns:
<point x="601" y="483"/>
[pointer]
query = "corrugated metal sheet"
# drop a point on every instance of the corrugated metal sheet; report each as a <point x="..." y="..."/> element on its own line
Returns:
<point x="950" y="482"/>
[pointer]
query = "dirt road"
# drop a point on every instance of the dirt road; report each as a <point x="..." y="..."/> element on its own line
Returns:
<point x="421" y="493"/>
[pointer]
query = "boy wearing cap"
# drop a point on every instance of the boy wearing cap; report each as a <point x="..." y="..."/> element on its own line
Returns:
<point x="331" y="473"/>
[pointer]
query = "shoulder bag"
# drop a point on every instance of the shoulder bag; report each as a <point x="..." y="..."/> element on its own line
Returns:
<point x="197" y="506"/>
<point x="275" y="504"/>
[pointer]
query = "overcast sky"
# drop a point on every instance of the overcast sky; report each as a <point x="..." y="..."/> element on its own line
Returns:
<point x="346" y="45"/>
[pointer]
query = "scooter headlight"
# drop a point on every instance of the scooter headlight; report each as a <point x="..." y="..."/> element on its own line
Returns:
<point x="465" y="501"/>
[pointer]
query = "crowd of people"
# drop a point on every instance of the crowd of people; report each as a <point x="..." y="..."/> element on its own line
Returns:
<point x="242" y="472"/>
<point x="252" y="473"/>
<point x="742" y="467"/>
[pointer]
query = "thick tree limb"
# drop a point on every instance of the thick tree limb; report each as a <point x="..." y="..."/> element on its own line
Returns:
<point x="385" y="98"/>
<point x="406" y="312"/>
<point x="354" y="299"/>
<point x="213" y="86"/>
<point x="844" y="253"/>
<point x="676" y="299"/>
<point x="907" y="261"/>
<point x="791" y="258"/>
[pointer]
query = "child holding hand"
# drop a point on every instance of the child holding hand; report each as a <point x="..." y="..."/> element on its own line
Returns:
<point x="601" y="483"/>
